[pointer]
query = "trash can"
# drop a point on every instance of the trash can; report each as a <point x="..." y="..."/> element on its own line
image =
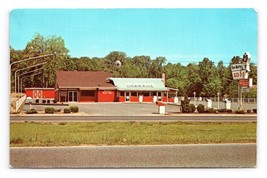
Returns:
<point x="161" y="108"/>
<point x="227" y="104"/>
<point x="209" y="103"/>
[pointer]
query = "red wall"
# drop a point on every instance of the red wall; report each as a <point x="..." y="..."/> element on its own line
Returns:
<point x="46" y="93"/>
<point x="148" y="99"/>
<point x="87" y="98"/>
<point x="134" y="99"/>
<point x="121" y="99"/>
<point x="106" y="96"/>
<point x="28" y="93"/>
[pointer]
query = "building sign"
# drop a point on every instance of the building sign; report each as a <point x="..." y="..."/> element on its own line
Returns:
<point x="136" y="85"/>
<point x="241" y="74"/>
<point x="37" y="93"/>
<point x="106" y="92"/>
<point x="244" y="82"/>
<point x="237" y="67"/>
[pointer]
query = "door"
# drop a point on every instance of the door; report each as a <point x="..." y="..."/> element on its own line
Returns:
<point x="127" y="96"/>
<point x="73" y="96"/>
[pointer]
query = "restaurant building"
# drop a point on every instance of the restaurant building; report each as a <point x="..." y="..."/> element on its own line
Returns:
<point x="98" y="86"/>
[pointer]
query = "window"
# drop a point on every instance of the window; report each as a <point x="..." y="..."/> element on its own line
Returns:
<point x="88" y="93"/>
<point x="146" y="93"/>
<point x="133" y="93"/>
<point x="122" y="93"/>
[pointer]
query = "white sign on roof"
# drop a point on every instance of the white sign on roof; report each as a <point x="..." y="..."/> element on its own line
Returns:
<point x="134" y="85"/>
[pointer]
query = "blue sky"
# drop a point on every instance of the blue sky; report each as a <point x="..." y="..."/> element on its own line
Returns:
<point x="180" y="35"/>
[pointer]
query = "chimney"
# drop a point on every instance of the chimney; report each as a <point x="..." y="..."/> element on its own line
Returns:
<point x="163" y="78"/>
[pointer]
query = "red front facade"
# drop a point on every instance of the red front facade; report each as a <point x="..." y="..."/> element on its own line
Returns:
<point x="39" y="93"/>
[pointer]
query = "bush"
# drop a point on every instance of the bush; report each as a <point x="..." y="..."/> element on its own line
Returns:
<point x="255" y="110"/>
<point x="192" y="107"/>
<point x="241" y="111"/>
<point x="229" y="110"/>
<point x="67" y="110"/>
<point x="211" y="110"/>
<point x="74" y="109"/>
<point x="31" y="111"/>
<point x="37" y="101"/>
<point x="49" y="110"/>
<point x="222" y="110"/>
<point x="44" y="101"/>
<point x="186" y="108"/>
<point x="54" y="101"/>
<point x="201" y="108"/>
<point x="16" y="141"/>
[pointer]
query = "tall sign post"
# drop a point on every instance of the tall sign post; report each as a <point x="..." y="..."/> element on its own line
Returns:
<point x="240" y="72"/>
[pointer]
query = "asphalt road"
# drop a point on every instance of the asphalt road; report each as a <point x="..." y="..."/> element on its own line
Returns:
<point x="189" y="118"/>
<point x="167" y="156"/>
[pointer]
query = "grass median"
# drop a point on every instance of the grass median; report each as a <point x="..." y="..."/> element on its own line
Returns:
<point x="129" y="133"/>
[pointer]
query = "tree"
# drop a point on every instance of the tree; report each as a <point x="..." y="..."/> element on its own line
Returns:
<point x="40" y="45"/>
<point x="110" y="60"/>
<point x="156" y="67"/>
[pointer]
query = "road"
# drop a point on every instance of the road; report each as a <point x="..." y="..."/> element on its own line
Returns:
<point x="188" y="155"/>
<point x="189" y="118"/>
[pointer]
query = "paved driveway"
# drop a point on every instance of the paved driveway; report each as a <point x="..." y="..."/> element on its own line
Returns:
<point x="123" y="109"/>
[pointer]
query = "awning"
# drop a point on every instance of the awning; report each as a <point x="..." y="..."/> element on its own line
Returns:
<point x="139" y="84"/>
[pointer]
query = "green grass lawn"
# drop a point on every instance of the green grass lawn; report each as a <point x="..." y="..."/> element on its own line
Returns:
<point x="129" y="133"/>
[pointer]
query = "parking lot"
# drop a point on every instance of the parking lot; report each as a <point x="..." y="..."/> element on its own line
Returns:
<point x="129" y="109"/>
<point x="113" y="109"/>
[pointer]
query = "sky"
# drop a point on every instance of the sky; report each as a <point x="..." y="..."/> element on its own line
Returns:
<point x="180" y="35"/>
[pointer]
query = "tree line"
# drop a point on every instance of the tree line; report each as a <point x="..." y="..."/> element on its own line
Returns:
<point x="205" y="78"/>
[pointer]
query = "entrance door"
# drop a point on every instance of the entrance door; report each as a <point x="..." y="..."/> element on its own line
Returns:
<point x="72" y="96"/>
<point x="127" y="96"/>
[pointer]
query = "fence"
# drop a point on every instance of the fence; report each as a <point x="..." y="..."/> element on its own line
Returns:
<point x="20" y="102"/>
<point x="221" y="99"/>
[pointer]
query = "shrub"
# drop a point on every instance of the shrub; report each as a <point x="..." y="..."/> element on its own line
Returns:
<point x="255" y="110"/>
<point x="16" y="141"/>
<point x="50" y="110"/>
<point x="67" y="110"/>
<point x="192" y="107"/>
<point x="186" y="108"/>
<point x="240" y="111"/>
<point x="44" y="101"/>
<point x="37" y="101"/>
<point x="54" y="101"/>
<point x="31" y="111"/>
<point x="229" y="110"/>
<point x="201" y="108"/>
<point x="222" y="110"/>
<point x="74" y="109"/>
<point x="249" y="111"/>
<point x="211" y="110"/>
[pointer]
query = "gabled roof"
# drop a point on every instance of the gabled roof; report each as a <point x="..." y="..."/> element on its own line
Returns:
<point x="83" y="79"/>
<point x="139" y="84"/>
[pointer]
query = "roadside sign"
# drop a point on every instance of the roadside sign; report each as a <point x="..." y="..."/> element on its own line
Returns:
<point x="245" y="89"/>
<point x="244" y="82"/>
<point x="237" y="67"/>
<point x="240" y="74"/>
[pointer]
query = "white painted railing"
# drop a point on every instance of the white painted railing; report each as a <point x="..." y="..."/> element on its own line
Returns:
<point x="20" y="102"/>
